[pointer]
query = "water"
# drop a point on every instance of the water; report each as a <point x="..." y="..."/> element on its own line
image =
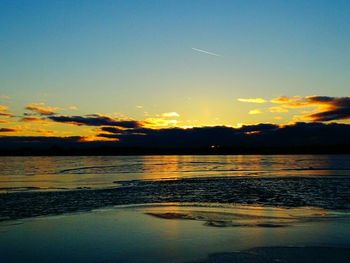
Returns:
<point x="256" y="208"/>
<point x="132" y="235"/>
<point x="19" y="174"/>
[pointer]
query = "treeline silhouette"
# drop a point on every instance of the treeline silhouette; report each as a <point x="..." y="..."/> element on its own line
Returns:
<point x="298" y="138"/>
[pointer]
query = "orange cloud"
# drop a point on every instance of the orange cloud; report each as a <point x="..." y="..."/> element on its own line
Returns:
<point x="42" y="109"/>
<point x="327" y="108"/>
<point x="277" y="109"/>
<point x="4" y="112"/>
<point x="31" y="119"/>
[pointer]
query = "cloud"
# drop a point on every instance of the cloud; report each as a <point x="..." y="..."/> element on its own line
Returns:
<point x="282" y="99"/>
<point x="332" y="108"/>
<point x="4" y="97"/>
<point x="7" y="130"/>
<point x="255" y="112"/>
<point x="327" y="108"/>
<point x="3" y="108"/>
<point x="96" y="120"/>
<point x="170" y="114"/>
<point x="4" y="112"/>
<point x="206" y="52"/>
<point x="252" y="100"/>
<point x="258" y="127"/>
<point x="113" y="130"/>
<point x="341" y="113"/>
<point x="41" y="109"/>
<point x="277" y="109"/>
<point x="31" y="119"/>
<point x="159" y="122"/>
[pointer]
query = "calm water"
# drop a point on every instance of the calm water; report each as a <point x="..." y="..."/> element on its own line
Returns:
<point x="132" y="235"/>
<point x="64" y="173"/>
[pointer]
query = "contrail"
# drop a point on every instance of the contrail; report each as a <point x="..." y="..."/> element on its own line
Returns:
<point x="206" y="52"/>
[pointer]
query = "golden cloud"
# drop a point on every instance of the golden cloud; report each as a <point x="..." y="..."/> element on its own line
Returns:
<point x="42" y="109"/>
<point x="170" y="114"/>
<point x="252" y="100"/>
<point x="4" y="112"/>
<point x="277" y="109"/>
<point x="159" y="122"/>
<point x="327" y="108"/>
<point x="255" y="112"/>
<point x="31" y="119"/>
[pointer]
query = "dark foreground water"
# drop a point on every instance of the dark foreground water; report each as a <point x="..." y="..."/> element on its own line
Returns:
<point x="180" y="233"/>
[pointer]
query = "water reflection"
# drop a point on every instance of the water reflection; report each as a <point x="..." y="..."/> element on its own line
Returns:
<point x="131" y="235"/>
<point x="53" y="173"/>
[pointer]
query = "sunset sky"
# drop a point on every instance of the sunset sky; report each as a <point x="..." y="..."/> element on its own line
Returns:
<point x="69" y="67"/>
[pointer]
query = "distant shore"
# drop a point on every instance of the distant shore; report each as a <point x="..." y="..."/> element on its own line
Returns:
<point x="85" y="149"/>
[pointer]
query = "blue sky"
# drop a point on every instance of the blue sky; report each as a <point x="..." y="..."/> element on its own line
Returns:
<point x="112" y="56"/>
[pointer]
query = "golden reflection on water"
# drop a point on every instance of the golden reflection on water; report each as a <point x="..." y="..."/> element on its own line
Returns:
<point x="103" y="171"/>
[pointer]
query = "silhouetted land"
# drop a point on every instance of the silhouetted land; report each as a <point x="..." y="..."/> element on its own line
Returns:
<point x="85" y="149"/>
<point x="298" y="138"/>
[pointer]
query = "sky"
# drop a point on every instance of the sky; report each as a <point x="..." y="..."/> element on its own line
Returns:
<point x="171" y="64"/>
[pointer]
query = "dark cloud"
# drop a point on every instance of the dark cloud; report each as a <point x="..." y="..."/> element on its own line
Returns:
<point x="96" y="120"/>
<point x="7" y="130"/>
<point x="5" y="114"/>
<point x="258" y="127"/>
<point x="336" y="108"/>
<point x="331" y="115"/>
<point x="113" y="130"/>
<point x="328" y="108"/>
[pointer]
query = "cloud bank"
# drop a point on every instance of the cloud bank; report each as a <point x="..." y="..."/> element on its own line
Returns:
<point x="96" y="120"/>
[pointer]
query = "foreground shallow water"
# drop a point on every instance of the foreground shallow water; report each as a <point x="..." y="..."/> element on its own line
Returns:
<point x="180" y="233"/>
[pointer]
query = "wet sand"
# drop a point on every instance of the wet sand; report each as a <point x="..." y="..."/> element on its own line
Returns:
<point x="180" y="233"/>
<point x="323" y="192"/>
